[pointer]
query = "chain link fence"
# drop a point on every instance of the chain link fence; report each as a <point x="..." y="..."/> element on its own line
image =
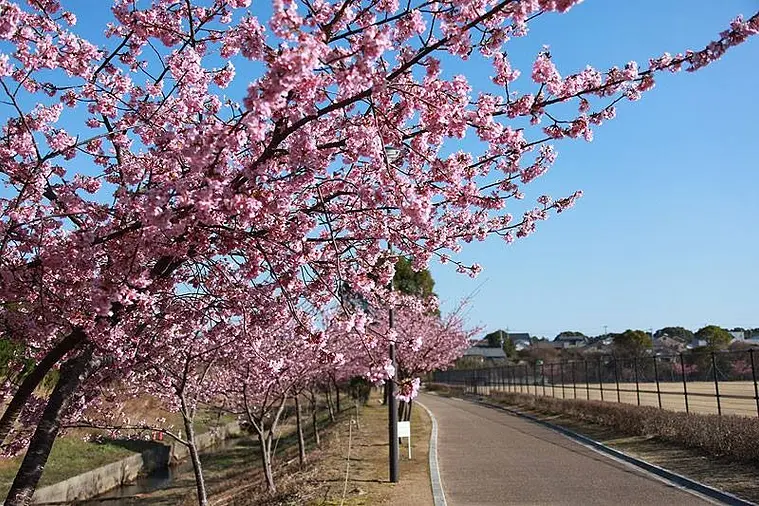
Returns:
<point x="722" y="382"/>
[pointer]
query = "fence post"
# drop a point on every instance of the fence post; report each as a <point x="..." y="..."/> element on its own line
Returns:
<point x="716" y="383"/>
<point x="524" y="387"/>
<point x="561" y="370"/>
<point x="587" y="381"/>
<point x="656" y="375"/>
<point x="685" y="383"/>
<point x="574" y="378"/>
<point x="637" y="383"/>
<point x="553" y="380"/>
<point x="543" y="380"/>
<point x="616" y="377"/>
<point x="535" y="377"/>
<point x="513" y="386"/>
<point x="600" y="379"/>
<point x="753" y="377"/>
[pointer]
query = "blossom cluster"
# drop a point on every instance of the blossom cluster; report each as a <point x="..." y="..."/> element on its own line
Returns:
<point x="162" y="222"/>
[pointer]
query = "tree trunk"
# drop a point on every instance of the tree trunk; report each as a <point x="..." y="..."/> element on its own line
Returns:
<point x="33" y="379"/>
<point x="73" y="372"/>
<point x="337" y="396"/>
<point x="265" y="442"/>
<point x="299" y="427"/>
<point x="330" y="407"/>
<point x="200" y="484"/>
<point x="315" y="424"/>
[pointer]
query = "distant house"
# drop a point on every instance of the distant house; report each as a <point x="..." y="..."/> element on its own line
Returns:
<point x="697" y="343"/>
<point x="600" y="346"/>
<point x="738" y="335"/>
<point x="521" y="340"/>
<point x="485" y="354"/>
<point x="566" y="341"/>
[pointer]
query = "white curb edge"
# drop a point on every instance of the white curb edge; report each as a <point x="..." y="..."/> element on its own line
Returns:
<point x="438" y="495"/>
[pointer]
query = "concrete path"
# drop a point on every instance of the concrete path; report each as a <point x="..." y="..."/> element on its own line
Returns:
<point x="490" y="457"/>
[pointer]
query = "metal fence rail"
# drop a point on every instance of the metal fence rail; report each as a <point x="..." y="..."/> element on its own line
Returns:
<point x="701" y="382"/>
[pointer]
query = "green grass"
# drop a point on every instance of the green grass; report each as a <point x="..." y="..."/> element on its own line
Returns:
<point x="70" y="456"/>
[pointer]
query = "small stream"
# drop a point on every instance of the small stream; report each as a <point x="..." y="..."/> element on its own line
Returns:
<point x="165" y="486"/>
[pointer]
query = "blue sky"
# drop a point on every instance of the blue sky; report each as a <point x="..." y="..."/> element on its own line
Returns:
<point x="665" y="234"/>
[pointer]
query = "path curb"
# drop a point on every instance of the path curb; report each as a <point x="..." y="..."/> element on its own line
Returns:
<point x="674" y="478"/>
<point x="438" y="495"/>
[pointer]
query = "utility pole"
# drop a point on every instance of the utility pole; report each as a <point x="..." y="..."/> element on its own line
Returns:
<point x="392" y="407"/>
<point x="391" y="155"/>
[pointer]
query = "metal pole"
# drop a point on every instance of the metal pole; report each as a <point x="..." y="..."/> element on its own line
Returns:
<point x="543" y="380"/>
<point x="553" y="380"/>
<point x="685" y="383"/>
<point x="392" y="414"/>
<point x="527" y="377"/>
<point x="587" y="382"/>
<point x="656" y="375"/>
<point x="563" y="393"/>
<point x="637" y="384"/>
<point x="753" y="377"/>
<point x="535" y="377"/>
<point x="600" y="379"/>
<point x="574" y="378"/>
<point x="616" y="378"/>
<point x="716" y="384"/>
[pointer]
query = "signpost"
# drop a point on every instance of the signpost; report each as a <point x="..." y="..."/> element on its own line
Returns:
<point x="404" y="430"/>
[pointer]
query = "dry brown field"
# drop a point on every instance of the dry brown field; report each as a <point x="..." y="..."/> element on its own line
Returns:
<point x="701" y="395"/>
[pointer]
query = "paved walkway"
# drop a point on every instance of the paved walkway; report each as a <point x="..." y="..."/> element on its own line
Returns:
<point x="490" y="457"/>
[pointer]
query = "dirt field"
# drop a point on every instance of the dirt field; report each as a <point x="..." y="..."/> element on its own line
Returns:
<point x="701" y="395"/>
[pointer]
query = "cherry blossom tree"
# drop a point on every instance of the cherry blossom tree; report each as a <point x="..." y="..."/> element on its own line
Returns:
<point x="126" y="166"/>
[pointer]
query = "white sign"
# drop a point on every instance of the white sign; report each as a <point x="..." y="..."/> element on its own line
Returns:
<point x="404" y="430"/>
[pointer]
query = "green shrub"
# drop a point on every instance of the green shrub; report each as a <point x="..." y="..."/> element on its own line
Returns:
<point x="730" y="436"/>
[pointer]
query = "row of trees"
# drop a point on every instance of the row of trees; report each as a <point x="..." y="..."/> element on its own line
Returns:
<point x="186" y="201"/>
<point x="625" y="344"/>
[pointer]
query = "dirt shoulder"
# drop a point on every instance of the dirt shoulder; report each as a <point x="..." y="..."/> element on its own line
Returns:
<point x="350" y="467"/>
<point x="366" y="469"/>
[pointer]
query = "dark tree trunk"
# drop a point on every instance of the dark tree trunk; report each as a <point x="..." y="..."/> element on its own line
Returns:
<point x="73" y="372"/>
<point x="337" y="395"/>
<point x="330" y="406"/>
<point x="315" y="424"/>
<point x="200" y="484"/>
<point x="33" y="379"/>
<point x="299" y="427"/>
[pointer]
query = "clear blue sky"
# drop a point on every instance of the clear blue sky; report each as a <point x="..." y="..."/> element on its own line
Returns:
<point x="666" y="232"/>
